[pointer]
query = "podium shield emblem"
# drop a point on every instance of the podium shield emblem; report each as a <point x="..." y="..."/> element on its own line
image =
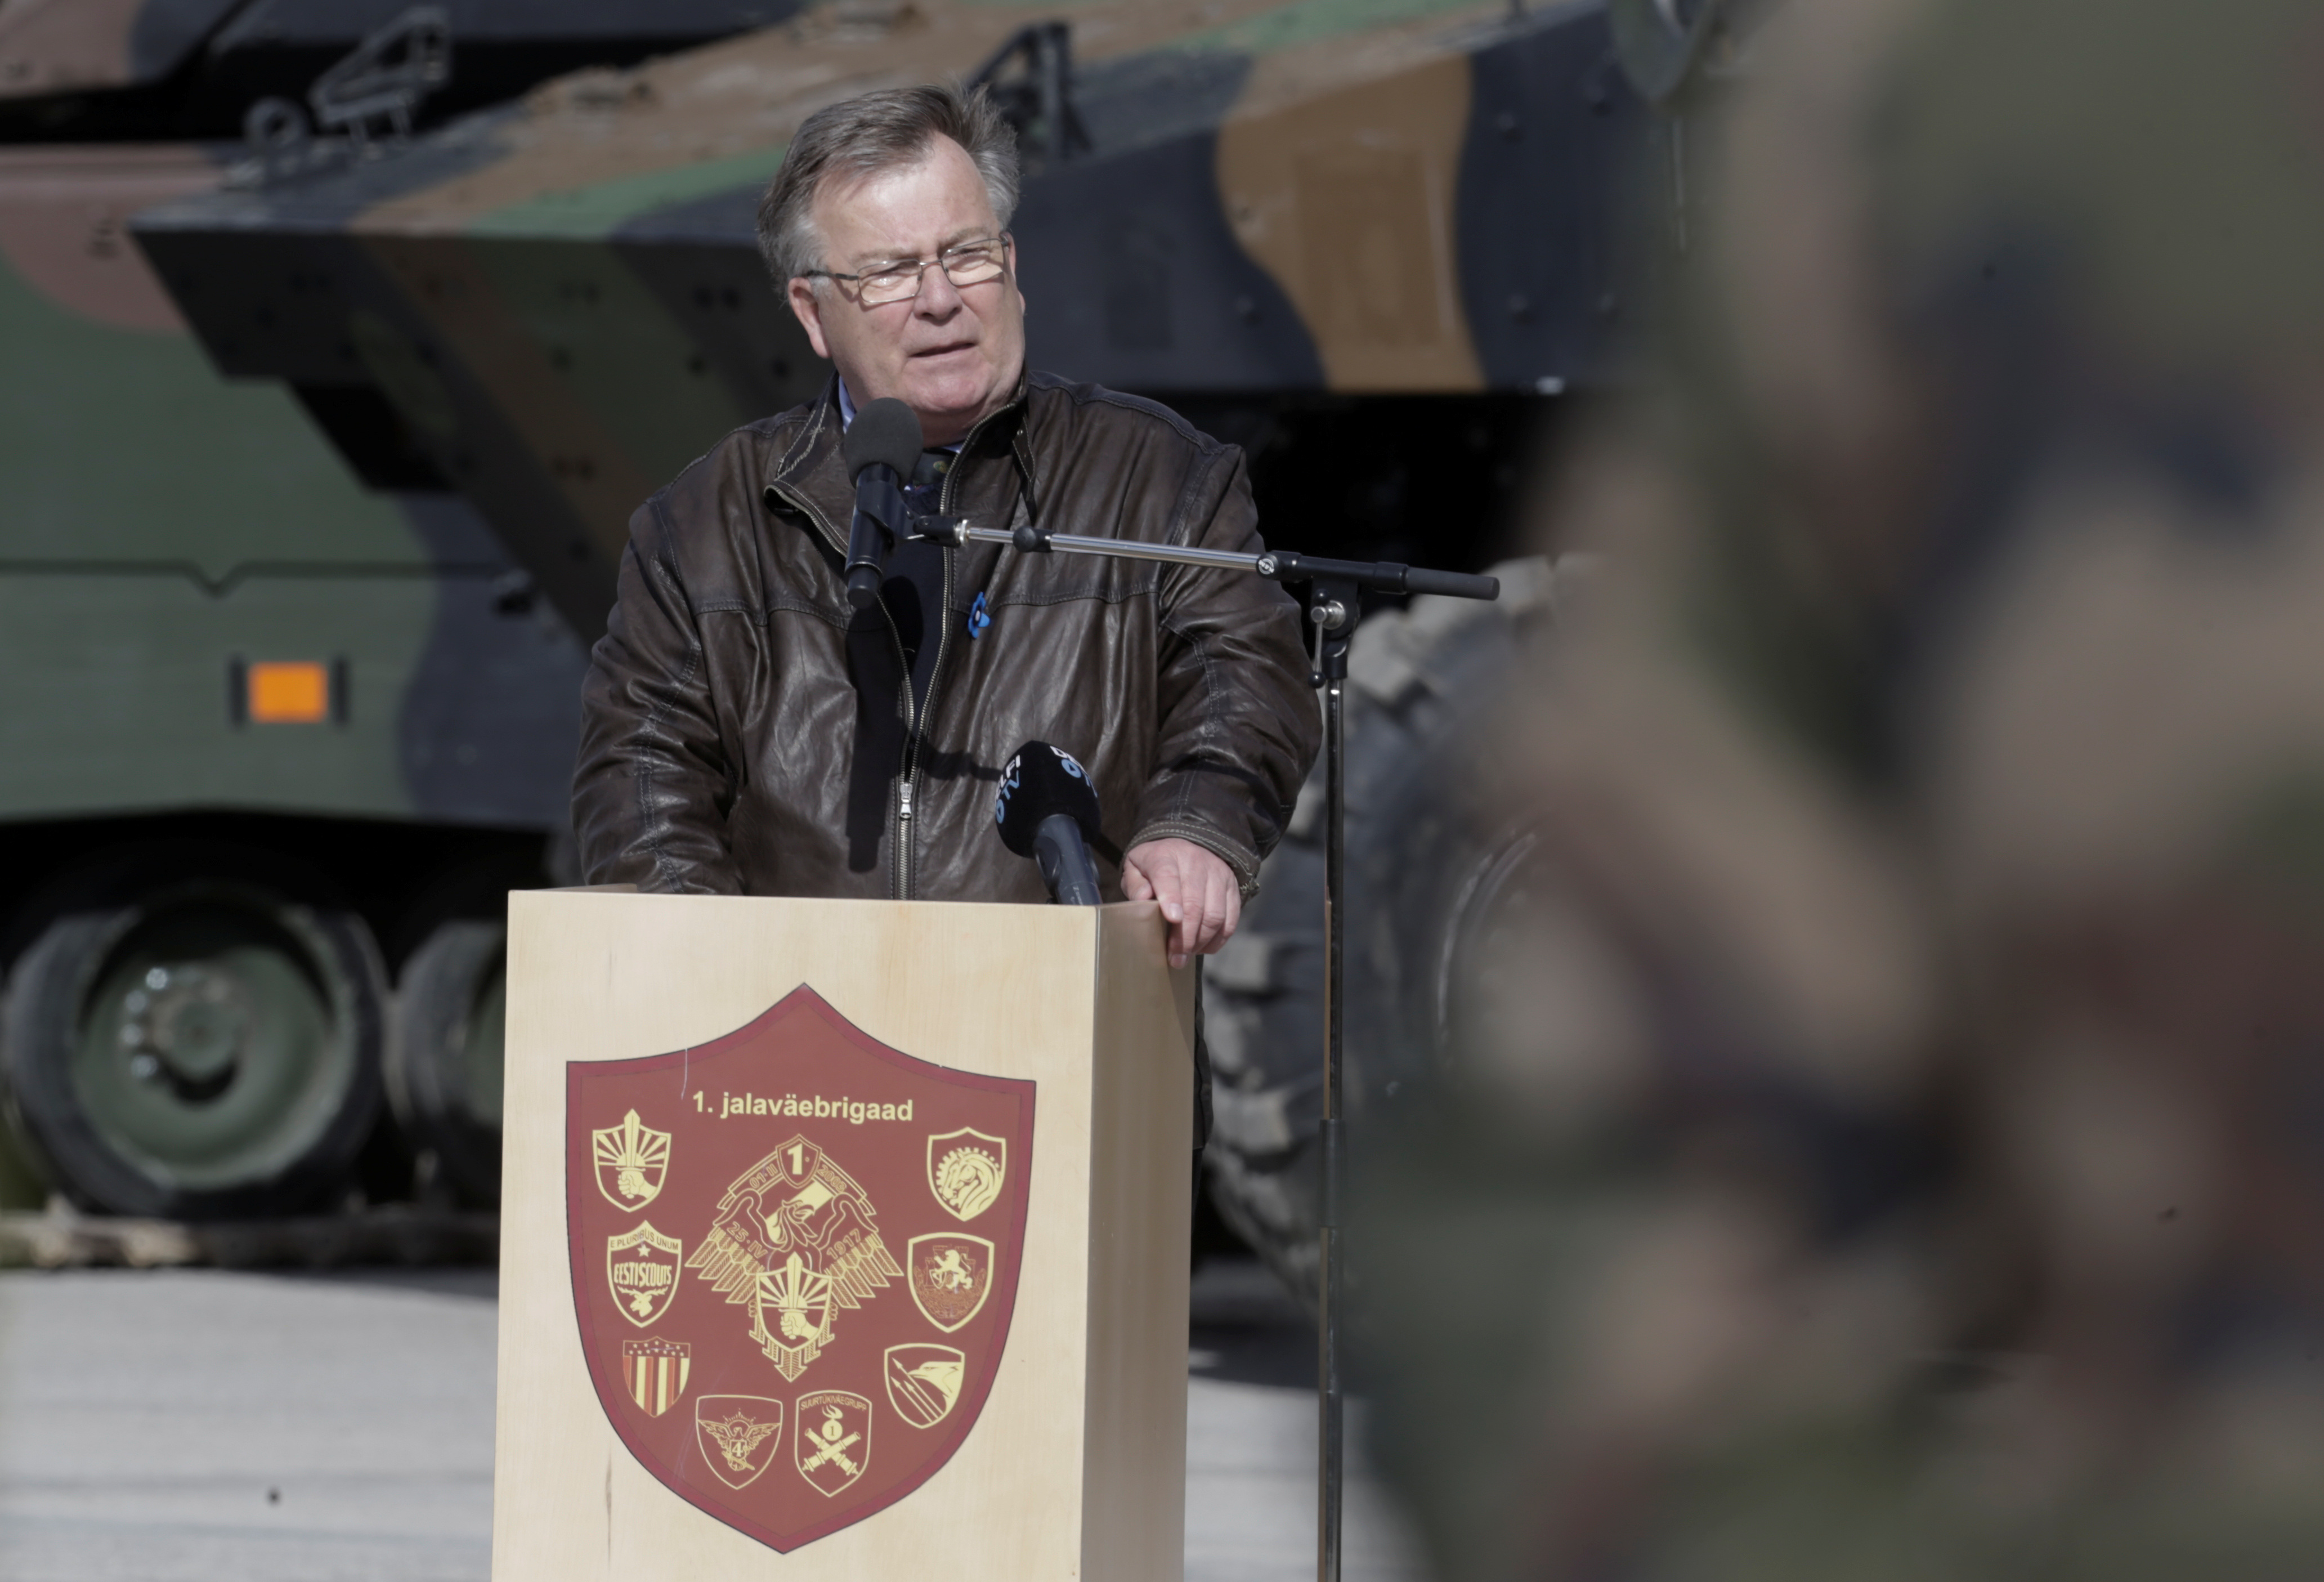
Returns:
<point x="834" y="1439"/>
<point x="966" y="1170"/>
<point x="950" y="1273"/>
<point x="739" y="1434"/>
<point x="923" y="1381"/>
<point x="828" y="1343"/>
<point x="641" y="1272"/>
<point x="632" y="1160"/>
<point x="655" y="1370"/>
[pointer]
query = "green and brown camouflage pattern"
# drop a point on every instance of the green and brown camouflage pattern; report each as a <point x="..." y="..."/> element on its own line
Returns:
<point x="164" y="529"/>
<point x="1888" y="1138"/>
<point x="563" y="303"/>
<point x="54" y="50"/>
<point x="160" y="525"/>
<point x="111" y="70"/>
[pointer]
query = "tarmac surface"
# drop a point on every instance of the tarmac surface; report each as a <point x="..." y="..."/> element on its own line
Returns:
<point x="201" y="1426"/>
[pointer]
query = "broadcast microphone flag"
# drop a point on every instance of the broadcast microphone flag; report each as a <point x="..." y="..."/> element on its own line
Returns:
<point x="1048" y="810"/>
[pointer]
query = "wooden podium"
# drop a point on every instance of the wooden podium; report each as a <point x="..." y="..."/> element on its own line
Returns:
<point x="841" y="1240"/>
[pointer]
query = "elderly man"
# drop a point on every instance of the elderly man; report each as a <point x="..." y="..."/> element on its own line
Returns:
<point x="746" y="731"/>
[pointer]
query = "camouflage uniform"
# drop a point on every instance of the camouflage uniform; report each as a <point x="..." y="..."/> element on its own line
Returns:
<point x="1893" y="1142"/>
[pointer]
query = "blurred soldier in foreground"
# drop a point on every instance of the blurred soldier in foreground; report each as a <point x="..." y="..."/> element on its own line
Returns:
<point x="1894" y="1146"/>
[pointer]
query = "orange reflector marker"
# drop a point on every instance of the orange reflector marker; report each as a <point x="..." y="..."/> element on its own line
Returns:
<point x="290" y="692"/>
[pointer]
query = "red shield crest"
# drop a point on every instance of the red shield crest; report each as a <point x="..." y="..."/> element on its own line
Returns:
<point x="825" y="1374"/>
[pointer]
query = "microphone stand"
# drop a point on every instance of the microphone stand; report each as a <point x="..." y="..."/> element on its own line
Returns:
<point x="1332" y="591"/>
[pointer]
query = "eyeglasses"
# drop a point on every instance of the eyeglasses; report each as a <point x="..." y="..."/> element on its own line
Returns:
<point x="969" y="264"/>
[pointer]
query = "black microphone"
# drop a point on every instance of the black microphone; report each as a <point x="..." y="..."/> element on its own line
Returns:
<point x="1048" y="810"/>
<point x="882" y="447"/>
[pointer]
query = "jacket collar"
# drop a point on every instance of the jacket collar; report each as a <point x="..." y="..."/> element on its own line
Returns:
<point x="809" y="471"/>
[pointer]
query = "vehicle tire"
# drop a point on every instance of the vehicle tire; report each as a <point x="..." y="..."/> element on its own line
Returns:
<point x="1426" y="871"/>
<point x="194" y="1032"/>
<point x="443" y="1054"/>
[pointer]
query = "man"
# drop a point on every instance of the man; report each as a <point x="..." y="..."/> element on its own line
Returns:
<point x="745" y="731"/>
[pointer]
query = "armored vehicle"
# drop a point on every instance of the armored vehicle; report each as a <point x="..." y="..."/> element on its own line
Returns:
<point x="283" y="715"/>
<point x="1379" y="243"/>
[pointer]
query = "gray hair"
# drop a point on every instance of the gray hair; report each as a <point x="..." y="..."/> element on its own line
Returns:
<point x="870" y="134"/>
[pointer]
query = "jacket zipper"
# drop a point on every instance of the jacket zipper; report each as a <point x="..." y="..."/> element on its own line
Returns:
<point x="899" y="847"/>
<point x="902" y="869"/>
<point x="919" y="730"/>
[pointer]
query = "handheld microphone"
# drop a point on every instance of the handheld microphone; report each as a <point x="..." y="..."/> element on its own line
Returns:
<point x="881" y="449"/>
<point x="1048" y="810"/>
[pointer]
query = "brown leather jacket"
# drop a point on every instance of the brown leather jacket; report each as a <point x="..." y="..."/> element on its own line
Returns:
<point x="745" y="731"/>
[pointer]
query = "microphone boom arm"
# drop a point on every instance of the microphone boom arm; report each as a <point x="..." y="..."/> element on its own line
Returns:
<point x="1334" y="604"/>
<point x="1275" y="565"/>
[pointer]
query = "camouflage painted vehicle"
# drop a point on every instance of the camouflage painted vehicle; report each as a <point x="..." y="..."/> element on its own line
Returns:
<point x="177" y="71"/>
<point x="1377" y="242"/>
<point x="283" y="714"/>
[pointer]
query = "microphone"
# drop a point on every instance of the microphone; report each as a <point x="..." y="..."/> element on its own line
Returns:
<point x="881" y="447"/>
<point x="1048" y="810"/>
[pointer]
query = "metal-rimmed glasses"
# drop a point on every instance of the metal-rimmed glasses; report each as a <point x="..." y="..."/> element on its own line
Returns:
<point x="967" y="264"/>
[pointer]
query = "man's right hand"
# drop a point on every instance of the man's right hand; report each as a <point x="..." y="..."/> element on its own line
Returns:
<point x="1199" y="899"/>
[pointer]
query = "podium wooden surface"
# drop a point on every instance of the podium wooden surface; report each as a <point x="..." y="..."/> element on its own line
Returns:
<point x="1076" y="1467"/>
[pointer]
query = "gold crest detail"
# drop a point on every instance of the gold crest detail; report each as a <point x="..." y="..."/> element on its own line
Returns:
<point x="656" y="1370"/>
<point x="950" y="1273"/>
<point x="966" y="1170"/>
<point x="739" y="1434"/>
<point x="632" y="1160"/>
<point x="833" y="1441"/>
<point x="642" y="1270"/>
<point x="794" y="1239"/>
<point x="923" y="1381"/>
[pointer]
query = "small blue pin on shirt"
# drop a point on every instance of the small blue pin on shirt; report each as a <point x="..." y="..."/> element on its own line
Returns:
<point x="978" y="619"/>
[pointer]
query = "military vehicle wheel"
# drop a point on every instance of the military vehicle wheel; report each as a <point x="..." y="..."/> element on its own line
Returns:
<point x="1424" y="871"/>
<point x="195" y="1034"/>
<point x="443" y="1054"/>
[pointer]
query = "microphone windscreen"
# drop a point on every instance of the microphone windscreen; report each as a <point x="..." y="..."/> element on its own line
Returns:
<point x="884" y="430"/>
<point x="1038" y="781"/>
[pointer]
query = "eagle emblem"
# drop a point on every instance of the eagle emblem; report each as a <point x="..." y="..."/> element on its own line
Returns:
<point x="739" y="1434"/>
<point x="966" y="1170"/>
<point x="632" y="1159"/>
<point x="794" y="1239"/>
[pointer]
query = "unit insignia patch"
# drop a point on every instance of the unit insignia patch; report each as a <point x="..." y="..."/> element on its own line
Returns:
<point x="923" y="1381"/>
<point x="641" y="1272"/>
<point x="632" y="1160"/>
<point x="739" y="1434"/>
<point x="965" y="1171"/>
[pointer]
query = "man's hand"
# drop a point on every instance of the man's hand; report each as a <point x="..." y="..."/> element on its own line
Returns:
<point x="1199" y="899"/>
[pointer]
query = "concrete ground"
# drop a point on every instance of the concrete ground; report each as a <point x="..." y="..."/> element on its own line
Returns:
<point x="200" y="1426"/>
